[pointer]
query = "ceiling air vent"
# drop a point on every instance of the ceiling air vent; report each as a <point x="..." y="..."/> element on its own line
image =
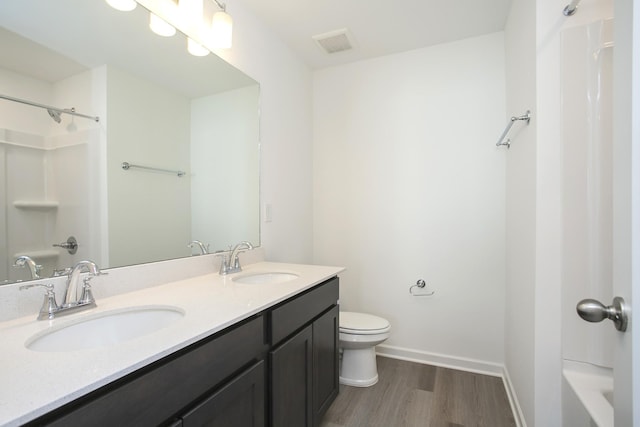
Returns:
<point x="334" y="41"/>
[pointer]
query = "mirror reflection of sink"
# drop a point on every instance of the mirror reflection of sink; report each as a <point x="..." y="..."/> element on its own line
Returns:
<point x="104" y="329"/>
<point x="265" y="278"/>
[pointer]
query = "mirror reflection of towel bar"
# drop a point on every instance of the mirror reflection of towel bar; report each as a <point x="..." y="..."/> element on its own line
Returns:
<point x="126" y="166"/>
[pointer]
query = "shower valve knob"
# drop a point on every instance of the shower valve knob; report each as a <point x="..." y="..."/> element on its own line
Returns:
<point x="593" y="310"/>
<point x="71" y="245"/>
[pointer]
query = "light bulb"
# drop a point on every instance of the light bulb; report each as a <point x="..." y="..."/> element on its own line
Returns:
<point x="160" y="26"/>
<point x="122" y="5"/>
<point x="221" y="30"/>
<point x="196" y="49"/>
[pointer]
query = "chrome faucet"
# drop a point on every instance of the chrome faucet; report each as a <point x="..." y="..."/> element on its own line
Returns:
<point x="71" y="294"/>
<point x="231" y="264"/>
<point x="26" y="261"/>
<point x="50" y="308"/>
<point x="204" y="250"/>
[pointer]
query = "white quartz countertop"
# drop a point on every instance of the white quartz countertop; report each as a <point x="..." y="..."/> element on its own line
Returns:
<point x="34" y="383"/>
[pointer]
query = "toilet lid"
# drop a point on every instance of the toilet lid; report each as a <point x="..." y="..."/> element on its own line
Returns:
<point x="362" y="322"/>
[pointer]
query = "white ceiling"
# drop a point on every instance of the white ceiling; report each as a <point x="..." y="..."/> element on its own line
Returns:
<point x="378" y="27"/>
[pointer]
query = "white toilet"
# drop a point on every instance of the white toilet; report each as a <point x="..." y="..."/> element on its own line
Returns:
<point x="359" y="335"/>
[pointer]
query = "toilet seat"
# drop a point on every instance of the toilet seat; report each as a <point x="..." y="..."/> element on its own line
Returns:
<point x="362" y="324"/>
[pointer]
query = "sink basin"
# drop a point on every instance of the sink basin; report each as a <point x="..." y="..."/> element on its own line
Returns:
<point x="104" y="329"/>
<point x="265" y="278"/>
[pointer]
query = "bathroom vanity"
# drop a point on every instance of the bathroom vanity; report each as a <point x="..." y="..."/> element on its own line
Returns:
<point x="275" y="364"/>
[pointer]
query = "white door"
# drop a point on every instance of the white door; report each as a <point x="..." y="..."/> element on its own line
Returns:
<point x="626" y="202"/>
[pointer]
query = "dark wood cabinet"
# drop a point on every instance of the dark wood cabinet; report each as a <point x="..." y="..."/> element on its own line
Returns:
<point x="291" y="381"/>
<point x="325" y="362"/>
<point x="304" y="366"/>
<point x="159" y="392"/>
<point x="277" y="368"/>
<point x="238" y="404"/>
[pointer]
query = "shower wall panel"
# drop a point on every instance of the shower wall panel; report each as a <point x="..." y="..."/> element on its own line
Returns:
<point x="587" y="53"/>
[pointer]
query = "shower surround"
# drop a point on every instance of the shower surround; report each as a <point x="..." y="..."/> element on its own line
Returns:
<point x="587" y="251"/>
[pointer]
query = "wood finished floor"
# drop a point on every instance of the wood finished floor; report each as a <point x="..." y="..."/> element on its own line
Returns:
<point x="411" y="394"/>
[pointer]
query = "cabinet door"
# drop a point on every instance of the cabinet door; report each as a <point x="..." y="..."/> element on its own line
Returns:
<point x="325" y="362"/>
<point x="240" y="403"/>
<point x="291" y="370"/>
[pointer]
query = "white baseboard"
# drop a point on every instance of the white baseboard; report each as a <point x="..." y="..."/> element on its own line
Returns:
<point x="461" y="364"/>
<point x="513" y="399"/>
<point x="445" y="361"/>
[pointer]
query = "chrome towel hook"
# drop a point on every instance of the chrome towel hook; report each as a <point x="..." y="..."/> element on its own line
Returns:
<point x="420" y="284"/>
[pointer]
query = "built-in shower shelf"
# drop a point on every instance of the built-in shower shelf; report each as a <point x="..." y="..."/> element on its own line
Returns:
<point x="40" y="254"/>
<point x="36" y="204"/>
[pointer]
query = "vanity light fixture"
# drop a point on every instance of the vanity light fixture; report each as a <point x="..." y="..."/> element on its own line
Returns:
<point x="123" y="5"/>
<point x="192" y="12"/>
<point x="221" y="27"/>
<point x="160" y="26"/>
<point x="217" y="36"/>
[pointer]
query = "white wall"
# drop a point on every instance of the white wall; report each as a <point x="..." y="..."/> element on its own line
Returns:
<point x="285" y="135"/>
<point x="141" y="203"/>
<point x="21" y="117"/>
<point x="225" y="151"/>
<point x="285" y="132"/>
<point x="408" y="184"/>
<point x="520" y="183"/>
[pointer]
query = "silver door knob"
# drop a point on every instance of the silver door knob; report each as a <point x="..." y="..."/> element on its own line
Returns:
<point x="593" y="310"/>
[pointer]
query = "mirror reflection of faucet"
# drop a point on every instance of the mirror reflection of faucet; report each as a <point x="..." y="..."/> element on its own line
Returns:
<point x="71" y="303"/>
<point x="204" y="250"/>
<point x="25" y="261"/>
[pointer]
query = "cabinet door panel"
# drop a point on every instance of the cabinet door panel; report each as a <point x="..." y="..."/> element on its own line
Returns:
<point x="238" y="404"/>
<point x="291" y="368"/>
<point x="325" y="362"/>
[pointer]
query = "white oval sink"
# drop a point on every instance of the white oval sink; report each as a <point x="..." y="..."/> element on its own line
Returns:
<point x="265" y="278"/>
<point x="104" y="329"/>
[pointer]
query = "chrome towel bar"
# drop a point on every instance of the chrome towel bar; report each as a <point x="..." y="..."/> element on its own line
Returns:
<point x="501" y="141"/>
<point x="126" y="166"/>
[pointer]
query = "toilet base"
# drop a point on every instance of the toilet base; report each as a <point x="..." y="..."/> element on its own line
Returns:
<point x="359" y="368"/>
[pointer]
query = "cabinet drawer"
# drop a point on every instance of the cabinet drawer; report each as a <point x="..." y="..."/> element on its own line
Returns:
<point x="294" y="314"/>
<point x="155" y="394"/>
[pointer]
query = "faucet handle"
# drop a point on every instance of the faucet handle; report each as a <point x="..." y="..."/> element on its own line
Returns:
<point x="87" y="295"/>
<point x="48" y="286"/>
<point x="49" y="305"/>
<point x="61" y="272"/>
<point x="225" y="263"/>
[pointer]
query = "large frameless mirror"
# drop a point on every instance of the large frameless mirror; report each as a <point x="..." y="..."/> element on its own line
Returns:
<point x="173" y="157"/>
